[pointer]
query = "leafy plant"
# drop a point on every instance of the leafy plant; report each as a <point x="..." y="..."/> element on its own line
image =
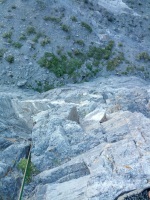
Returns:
<point x="23" y="37"/>
<point x="86" y="26"/>
<point x="65" y="28"/>
<point x="59" y="65"/>
<point x="53" y="19"/>
<point x="70" y="62"/>
<point x="74" y="19"/>
<point x="80" y="42"/>
<point x="30" y="30"/>
<point x="17" y="45"/>
<point x="7" y="35"/>
<point x="2" y="51"/>
<point x="10" y="59"/>
<point x="143" y="56"/>
<point x="45" y="41"/>
<point x="115" y="62"/>
<point x="30" y="169"/>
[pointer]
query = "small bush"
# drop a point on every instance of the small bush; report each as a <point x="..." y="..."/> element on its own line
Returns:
<point x="143" y="56"/>
<point x="86" y="26"/>
<point x="74" y="19"/>
<point x="31" y="30"/>
<point x="115" y="62"/>
<point x="60" y="65"/>
<point x="30" y="170"/>
<point x="2" y="51"/>
<point x="17" y="45"/>
<point x="53" y="19"/>
<point x="65" y="28"/>
<point x="45" y="41"/>
<point x="10" y="59"/>
<point x="80" y="42"/>
<point x="23" y="37"/>
<point x="7" y="35"/>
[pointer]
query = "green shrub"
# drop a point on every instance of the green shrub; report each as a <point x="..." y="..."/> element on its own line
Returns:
<point x="10" y="59"/>
<point x="30" y="170"/>
<point x="69" y="62"/>
<point x="115" y="62"/>
<point x="80" y="42"/>
<point x="23" y="37"/>
<point x="99" y="53"/>
<point x="45" y="41"/>
<point x="30" y="30"/>
<point x="2" y="51"/>
<point x="143" y="56"/>
<point x="7" y="35"/>
<point x="17" y="45"/>
<point x="65" y="28"/>
<point x="60" y="65"/>
<point x="74" y="19"/>
<point x="53" y="19"/>
<point x="86" y="26"/>
<point x="120" y="44"/>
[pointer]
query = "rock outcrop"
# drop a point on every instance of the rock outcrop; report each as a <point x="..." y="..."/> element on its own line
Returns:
<point x="89" y="140"/>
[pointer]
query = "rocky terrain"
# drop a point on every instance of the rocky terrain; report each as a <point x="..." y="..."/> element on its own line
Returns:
<point x="75" y="86"/>
<point x="89" y="140"/>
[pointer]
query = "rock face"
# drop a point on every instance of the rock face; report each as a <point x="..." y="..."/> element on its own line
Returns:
<point x="89" y="140"/>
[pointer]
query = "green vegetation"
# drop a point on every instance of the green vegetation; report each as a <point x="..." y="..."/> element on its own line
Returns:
<point x="10" y="59"/>
<point x="115" y="62"/>
<point x="41" y="4"/>
<point x="142" y="68"/>
<point x="17" y="45"/>
<point x="86" y="26"/>
<point x="7" y="35"/>
<point x="59" y="65"/>
<point x="30" y="170"/>
<point x="43" y="87"/>
<point x="74" y="19"/>
<point x="53" y="19"/>
<point x="130" y="69"/>
<point x="45" y="41"/>
<point x="30" y="30"/>
<point x="23" y="37"/>
<point x="2" y="51"/>
<point x="143" y="56"/>
<point x="71" y="61"/>
<point x="65" y="28"/>
<point x="99" y="53"/>
<point x="120" y="44"/>
<point x="80" y="42"/>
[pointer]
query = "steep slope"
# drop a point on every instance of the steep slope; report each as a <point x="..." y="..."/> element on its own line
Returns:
<point x="76" y="36"/>
<point x="90" y="141"/>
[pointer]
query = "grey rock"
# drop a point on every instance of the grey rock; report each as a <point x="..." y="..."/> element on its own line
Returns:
<point x="92" y="160"/>
<point x="21" y="83"/>
<point x="89" y="141"/>
<point x="73" y="115"/>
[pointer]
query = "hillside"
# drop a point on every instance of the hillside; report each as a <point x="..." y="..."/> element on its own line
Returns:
<point x="75" y="92"/>
<point x="46" y="44"/>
